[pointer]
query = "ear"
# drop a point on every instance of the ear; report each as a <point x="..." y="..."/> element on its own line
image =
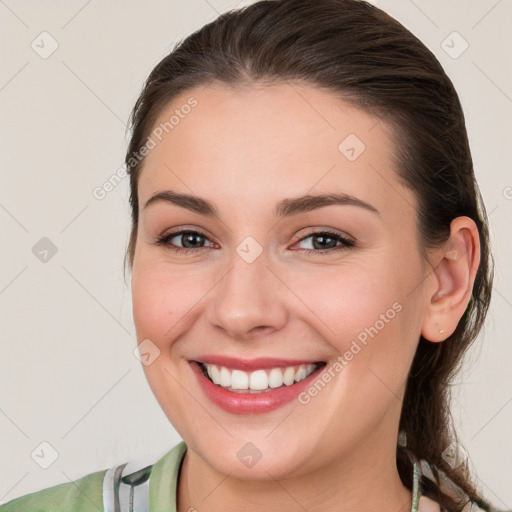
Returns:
<point x="450" y="284"/>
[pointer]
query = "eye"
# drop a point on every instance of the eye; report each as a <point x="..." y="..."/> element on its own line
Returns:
<point x="324" y="239"/>
<point x="190" y="239"/>
<point x="193" y="240"/>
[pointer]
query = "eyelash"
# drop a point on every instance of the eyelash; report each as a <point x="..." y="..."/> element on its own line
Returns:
<point x="165" y="241"/>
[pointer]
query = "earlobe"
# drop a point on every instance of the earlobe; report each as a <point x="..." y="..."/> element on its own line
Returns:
<point x="451" y="280"/>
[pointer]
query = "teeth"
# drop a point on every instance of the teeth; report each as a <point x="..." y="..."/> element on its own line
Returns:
<point x="275" y="378"/>
<point x="258" y="380"/>
<point x="289" y="376"/>
<point x="239" y="380"/>
<point x="225" y="377"/>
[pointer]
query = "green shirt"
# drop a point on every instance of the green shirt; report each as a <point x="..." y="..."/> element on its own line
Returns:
<point x="86" y="493"/>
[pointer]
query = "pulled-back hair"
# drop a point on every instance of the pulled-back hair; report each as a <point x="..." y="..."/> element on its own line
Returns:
<point x="365" y="57"/>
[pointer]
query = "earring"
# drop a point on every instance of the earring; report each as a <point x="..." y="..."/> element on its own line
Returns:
<point x="442" y="331"/>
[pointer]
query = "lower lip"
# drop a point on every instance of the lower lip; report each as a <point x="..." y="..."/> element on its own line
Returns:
<point x="251" y="403"/>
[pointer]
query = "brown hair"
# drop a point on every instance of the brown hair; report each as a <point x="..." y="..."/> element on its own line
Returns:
<point x="367" y="58"/>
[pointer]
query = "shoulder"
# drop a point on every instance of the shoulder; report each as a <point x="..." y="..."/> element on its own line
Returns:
<point x="487" y="507"/>
<point x="427" y="504"/>
<point x="448" y="487"/>
<point x="84" y="494"/>
<point x="110" y="489"/>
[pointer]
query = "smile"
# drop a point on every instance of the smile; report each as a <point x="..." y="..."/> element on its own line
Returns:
<point x="255" y="386"/>
<point x="262" y="380"/>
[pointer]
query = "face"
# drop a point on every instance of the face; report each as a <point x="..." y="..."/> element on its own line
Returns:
<point x="263" y="274"/>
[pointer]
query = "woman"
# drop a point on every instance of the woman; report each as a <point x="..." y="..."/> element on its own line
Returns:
<point x="310" y="261"/>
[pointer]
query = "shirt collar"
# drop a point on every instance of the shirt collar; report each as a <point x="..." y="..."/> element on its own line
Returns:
<point x="163" y="481"/>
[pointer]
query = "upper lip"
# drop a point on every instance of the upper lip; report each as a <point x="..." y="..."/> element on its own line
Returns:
<point x="252" y="364"/>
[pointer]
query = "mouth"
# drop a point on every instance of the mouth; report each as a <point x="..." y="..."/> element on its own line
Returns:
<point x="246" y="387"/>
<point x="263" y="379"/>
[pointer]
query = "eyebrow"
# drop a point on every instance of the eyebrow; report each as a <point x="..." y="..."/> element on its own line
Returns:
<point x="285" y="208"/>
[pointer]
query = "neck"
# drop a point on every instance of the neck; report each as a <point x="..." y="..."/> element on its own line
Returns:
<point x="365" y="480"/>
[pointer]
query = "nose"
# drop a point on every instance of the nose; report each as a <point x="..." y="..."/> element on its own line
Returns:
<point x="248" y="302"/>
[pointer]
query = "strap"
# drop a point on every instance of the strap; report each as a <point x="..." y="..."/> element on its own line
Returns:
<point x="416" y="491"/>
<point x="126" y="488"/>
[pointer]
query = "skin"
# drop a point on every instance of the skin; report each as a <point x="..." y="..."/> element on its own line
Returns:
<point x="245" y="150"/>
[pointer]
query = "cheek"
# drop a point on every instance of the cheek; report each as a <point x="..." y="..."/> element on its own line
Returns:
<point x="150" y="302"/>
<point x="362" y="313"/>
<point x="163" y="309"/>
<point x="165" y="300"/>
<point x="348" y="301"/>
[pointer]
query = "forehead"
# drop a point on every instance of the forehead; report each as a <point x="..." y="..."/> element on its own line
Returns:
<point x="251" y="146"/>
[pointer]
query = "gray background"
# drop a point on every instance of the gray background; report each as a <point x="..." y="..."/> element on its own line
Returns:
<point x="68" y="373"/>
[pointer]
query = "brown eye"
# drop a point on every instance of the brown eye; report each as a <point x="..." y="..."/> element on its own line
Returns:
<point x="324" y="242"/>
<point x="190" y="240"/>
